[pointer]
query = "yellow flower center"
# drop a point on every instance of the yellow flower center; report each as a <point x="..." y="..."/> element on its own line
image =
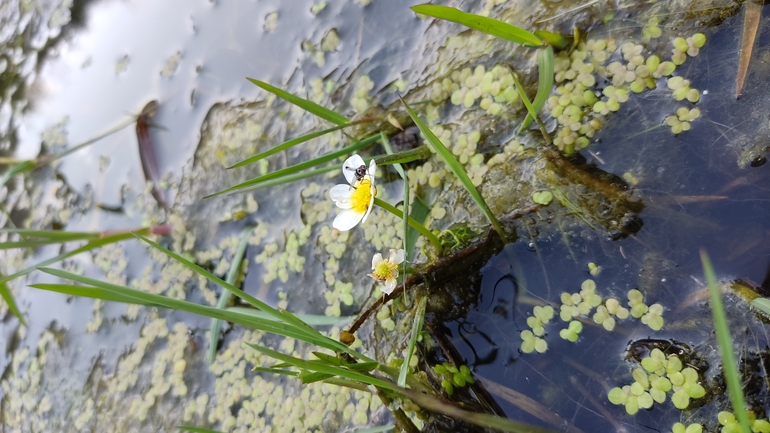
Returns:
<point x="384" y="270"/>
<point x="362" y="196"/>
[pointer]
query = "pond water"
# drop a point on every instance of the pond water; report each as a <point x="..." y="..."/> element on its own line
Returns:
<point x="85" y="366"/>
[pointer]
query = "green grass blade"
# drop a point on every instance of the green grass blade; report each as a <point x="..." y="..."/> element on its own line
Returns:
<point x="140" y="297"/>
<point x="309" y="106"/>
<point x="323" y="367"/>
<point x="21" y="167"/>
<point x="289" y="144"/>
<point x="554" y="39"/>
<point x="419" y="317"/>
<point x="57" y="235"/>
<point x="762" y="304"/>
<point x="379" y="429"/>
<point x="405" y="220"/>
<point x="96" y="243"/>
<point x="419" y="213"/>
<point x="299" y="167"/>
<point x="729" y="366"/>
<point x="310" y="319"/>
<point x="196" y="429"/>
<point x="544" y="85"/>
<point x="91" y="292"/>
<point x="414" y="224"/>
<point x="275" y="371"/>
<point x="457" y="169"/>
<point x="420" y="152"/>
<point x="7" y="296"/>
<point x="225" y="296"/>
<point x="483" y="24"/>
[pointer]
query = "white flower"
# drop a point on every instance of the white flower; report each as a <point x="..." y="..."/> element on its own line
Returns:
<point x="357" y="198"/>
<point x="386" y="270"/>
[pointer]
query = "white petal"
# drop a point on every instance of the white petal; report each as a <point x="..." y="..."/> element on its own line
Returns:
<point x="368" y="211"/>
<point x="376" y="260"/>
<point x="396" y="256"/>
<point x="349" y="167"/>
<point x="341" y="192"/>
<point x="346" y="220"/>
<point x="390" y="284"/>
<point x="372" y="170"/>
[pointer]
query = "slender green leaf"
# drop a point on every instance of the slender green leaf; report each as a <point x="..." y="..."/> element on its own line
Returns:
<point x="419" y="212"/>
<point x="96" y="243"/>
<point x="457" y="169"/>
<point x="323" y="367"/>
<point x="5" y="292"/>
<point x="196" y="429"/>
<point x="420" y="152"/>
<point x="141" y="297"/>
<point x="299" y="167"/>
<point x="762" y="304"/>
<point x="58" y="235"/>
<point x="21" y="167"/>
<point x="554" y="39"/>
<point x="225" y="296"/>
<point x="289" y="144"/>
<point x="310" y="319"/>
<point x="309" y="106"/>
<point x="544" y="85"/>
<point x="414" y="224"/>
<point x="275" y="371"/>
<point x="419" y="317"/>
<point x="91" y="292"/>
<point x="483" y="24"/>
<point x="729" y="366"/>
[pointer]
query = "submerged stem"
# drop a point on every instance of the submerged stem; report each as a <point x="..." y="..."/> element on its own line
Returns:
<point x="415" y="225"/>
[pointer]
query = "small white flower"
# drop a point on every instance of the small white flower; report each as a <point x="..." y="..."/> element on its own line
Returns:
<point x="386" y="270"/>
<point x="355" y="199"/>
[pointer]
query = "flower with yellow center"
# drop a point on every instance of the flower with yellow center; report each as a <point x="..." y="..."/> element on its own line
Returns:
<point x="355" y="199"/>
<point x="386" y="270"/>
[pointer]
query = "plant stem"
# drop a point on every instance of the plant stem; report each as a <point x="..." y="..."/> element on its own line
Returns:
<point x="415" y="225"/>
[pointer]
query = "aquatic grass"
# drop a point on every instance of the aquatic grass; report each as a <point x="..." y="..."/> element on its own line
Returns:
<point x="456" y="168"/>
<point x="419" y="212"/>
<point x="301" y="166"/>
<point x="101" y="239"/>
<point x="419" y="317"/>
<point x="310" y="319"/>
<point x="414" y="224"/>
<point x="293" y="142"/>
<point x="530" y="108"/>
<point x="545" y="66"/>
<point x="226" y="296"/>
<point x="309" y="106"/>
<point x="484" y="24"/>
<point x="729" y="366"/>
<point x="554" y="39"/>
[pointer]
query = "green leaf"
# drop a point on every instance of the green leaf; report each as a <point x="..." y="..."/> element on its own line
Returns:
<point x="762" y="304"/>
<point x="419" y="212"/>
<point x="544" y="85"/>
<point x="196" y="429"/>
<point x="58" y="235"/>
<point x="5" y="292"/>
<point x="289" y="144"/>
<point x="457" y="169"/>
<point x="477" y="22"/>
<point x="554" y="39"/>
<point x="419" y="317"/>
<point x="21" y="167"/>
<point x="309" y="106"/>
<point x="310" y="319"/>
<point x="298" y="167"/>
<point x="225" y="296"/>
<point x="729" y="366"/>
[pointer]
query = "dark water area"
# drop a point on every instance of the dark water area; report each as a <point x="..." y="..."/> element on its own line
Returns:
<point x="696" y="196"/>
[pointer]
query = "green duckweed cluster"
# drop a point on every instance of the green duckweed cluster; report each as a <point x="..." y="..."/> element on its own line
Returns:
<point x="453" y="377"/>
<point x="584" y="304"/>
<point x="681" y="428"/>
<point x="658" y="376"/>
<point x="731" y="425"/>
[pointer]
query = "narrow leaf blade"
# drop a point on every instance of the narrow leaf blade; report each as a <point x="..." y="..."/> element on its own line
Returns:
<point x="309" y="106"/>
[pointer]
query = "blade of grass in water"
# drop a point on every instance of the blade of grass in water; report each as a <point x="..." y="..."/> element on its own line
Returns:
<point x="419" y="212"/>
<point x="419" y="317"/>
<point x="59" y="235"/>
<point x="421" y="152"/>
<point x="530" y="109"/>
<point x="554" y="39"/>
<point x="309" y="106"/>
<point x="226" y="296"/>
<point x="140" y="297"/>
<point x="483" y="24"/>
<point x="291" y="143"/>
<point x="299" y="167"/>
<point x="310" y="319"/>
<point x="414" y="224"/>
<point x="457" y="169"/>
<point x="196" y="429"/>
<point x="729" y="366"/>
<point x="544" y="85"/>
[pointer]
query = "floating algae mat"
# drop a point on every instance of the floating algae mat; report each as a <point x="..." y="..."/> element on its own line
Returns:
<point x="591" y="316"/>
